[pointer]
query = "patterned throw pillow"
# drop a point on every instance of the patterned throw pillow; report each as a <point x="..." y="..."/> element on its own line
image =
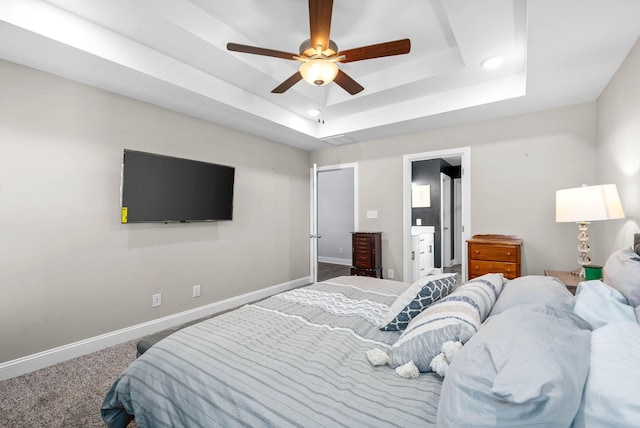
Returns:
<point x="454" y="318"/>
<point x="419" y="296"/>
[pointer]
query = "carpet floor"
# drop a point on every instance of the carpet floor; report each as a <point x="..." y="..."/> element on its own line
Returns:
<point x="68" y="394"/>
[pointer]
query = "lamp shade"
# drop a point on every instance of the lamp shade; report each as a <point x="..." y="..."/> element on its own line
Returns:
<point x="588" y="203"/>
<point x="319" y="71"/>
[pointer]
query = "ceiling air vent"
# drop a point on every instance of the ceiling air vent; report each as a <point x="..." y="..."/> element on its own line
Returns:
<point x="338" y="140"/>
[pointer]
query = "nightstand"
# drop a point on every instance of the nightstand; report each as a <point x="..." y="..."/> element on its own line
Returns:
<point x="568" y="279"/>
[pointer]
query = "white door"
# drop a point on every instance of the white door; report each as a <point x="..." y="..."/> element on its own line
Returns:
<point x="445" y="220"/>
<point x="313" y="232"/>
<point x="457" y="221"/>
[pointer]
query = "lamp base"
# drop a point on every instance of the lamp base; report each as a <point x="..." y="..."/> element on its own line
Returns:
<point x="578" y="272"/>
<point x="583" y="248"/>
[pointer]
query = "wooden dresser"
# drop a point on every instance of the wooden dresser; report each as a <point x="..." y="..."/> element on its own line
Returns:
<point x="494" y="254"/>
<point x="366" y="250"/>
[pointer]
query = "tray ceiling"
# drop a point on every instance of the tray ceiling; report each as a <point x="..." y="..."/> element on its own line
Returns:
<point x="172" y="53"/>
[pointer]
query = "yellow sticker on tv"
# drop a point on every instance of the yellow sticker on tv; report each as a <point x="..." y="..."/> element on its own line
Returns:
<point x="123" y="215"/>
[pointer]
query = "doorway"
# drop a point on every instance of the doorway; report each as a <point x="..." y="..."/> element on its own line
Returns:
<point x="335" y="209"/>
<point x="461" y="223"/>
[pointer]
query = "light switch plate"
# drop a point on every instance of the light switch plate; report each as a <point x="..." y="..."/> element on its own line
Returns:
<point x="372" y="214"/>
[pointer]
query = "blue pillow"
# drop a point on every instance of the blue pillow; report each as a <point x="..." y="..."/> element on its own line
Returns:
<point x="526" y="366"/>
<point x="543" y="290"/>
<point x="419" y="296"/>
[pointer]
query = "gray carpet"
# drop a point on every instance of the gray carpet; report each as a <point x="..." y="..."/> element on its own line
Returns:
<point x="68" y="394"/>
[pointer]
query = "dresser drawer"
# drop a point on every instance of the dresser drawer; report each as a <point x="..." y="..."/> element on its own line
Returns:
<point x="362" y="240"/>
<point x="478" y="268"/>
<point x="504" y="253"/>
<point x="360" y="248"/>
<point x="363" y="260"/>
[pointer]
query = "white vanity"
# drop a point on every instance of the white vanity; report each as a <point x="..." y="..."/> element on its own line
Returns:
<point x="422" y="261"/>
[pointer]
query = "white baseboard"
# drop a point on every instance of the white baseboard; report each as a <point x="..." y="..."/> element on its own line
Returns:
<point x="57" y="355"/>
<point x="335" y="261"/>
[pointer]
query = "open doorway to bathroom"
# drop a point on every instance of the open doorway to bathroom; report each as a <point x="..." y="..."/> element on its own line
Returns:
<point x="441" y="214"/>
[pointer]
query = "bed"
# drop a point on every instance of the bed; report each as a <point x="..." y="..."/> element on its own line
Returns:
<point x="364" y="352"/>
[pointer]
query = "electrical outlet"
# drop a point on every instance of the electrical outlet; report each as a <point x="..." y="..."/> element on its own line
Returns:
<point x="156" y="300"/>
<point x="341" y="250"/>
<point x="390" y="273"/>
<point x="196" y="291"/>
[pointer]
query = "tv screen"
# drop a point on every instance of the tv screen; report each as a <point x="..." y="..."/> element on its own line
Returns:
<point x="157" y="188"/>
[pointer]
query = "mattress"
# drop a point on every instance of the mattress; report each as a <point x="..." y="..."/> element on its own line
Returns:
<point x="295" y="359"/>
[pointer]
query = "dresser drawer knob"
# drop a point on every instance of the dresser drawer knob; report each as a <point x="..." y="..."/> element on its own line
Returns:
<point x="477" y="252"/>
<point x="508" y="253"/>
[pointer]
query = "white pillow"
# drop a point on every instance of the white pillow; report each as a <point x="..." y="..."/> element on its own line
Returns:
<point x="599" y="304"/>
<point x="613" y="385"/>
<point x="453" y="318"/>
<point x="622" y="272"/>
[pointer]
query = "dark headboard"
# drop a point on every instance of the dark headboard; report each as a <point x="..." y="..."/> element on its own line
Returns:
<point x="636" y="243"/>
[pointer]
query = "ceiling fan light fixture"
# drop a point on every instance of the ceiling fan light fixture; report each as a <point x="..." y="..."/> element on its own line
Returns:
<point x="319" y="71"/>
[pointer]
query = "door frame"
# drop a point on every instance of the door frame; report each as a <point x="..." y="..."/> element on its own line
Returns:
<point x="445" y="212"/>
<point x="407" y="160"/>
<point x="313" y="234"/>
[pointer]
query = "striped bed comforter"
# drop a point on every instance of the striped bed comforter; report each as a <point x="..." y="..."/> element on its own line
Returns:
<point x="295" y="359"/>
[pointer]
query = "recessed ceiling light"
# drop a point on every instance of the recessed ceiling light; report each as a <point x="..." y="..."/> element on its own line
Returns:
<point x="493" y="62"/>
<point x="313" y="112"/>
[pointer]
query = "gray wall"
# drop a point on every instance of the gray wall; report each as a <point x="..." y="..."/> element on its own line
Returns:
<point x="335" y="215"/>
<point x="517" y="164"/>
<point x="619" y="152"/>
<point x="69" y="270"/>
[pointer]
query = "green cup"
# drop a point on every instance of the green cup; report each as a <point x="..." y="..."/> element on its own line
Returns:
<point x="592" y="272"/>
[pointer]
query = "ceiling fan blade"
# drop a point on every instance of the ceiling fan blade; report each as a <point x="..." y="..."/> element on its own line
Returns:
<point x="320" y="22"/>
<point x="295" y="78"/>
<point x="260" y="51"/>
<point x="398" y="47"/>
<point x="347" y="83"/>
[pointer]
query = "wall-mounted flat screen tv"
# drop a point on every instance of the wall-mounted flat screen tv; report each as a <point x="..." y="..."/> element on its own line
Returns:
<point x="157" y="188"/>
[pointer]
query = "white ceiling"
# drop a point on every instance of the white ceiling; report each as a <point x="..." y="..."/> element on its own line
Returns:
<point x="173" y="53"/>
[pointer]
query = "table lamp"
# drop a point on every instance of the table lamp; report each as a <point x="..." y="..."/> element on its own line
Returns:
<point x="583" y="205"/>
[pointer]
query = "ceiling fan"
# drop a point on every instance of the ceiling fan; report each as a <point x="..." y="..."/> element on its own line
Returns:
<point x="319" y="54"/>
